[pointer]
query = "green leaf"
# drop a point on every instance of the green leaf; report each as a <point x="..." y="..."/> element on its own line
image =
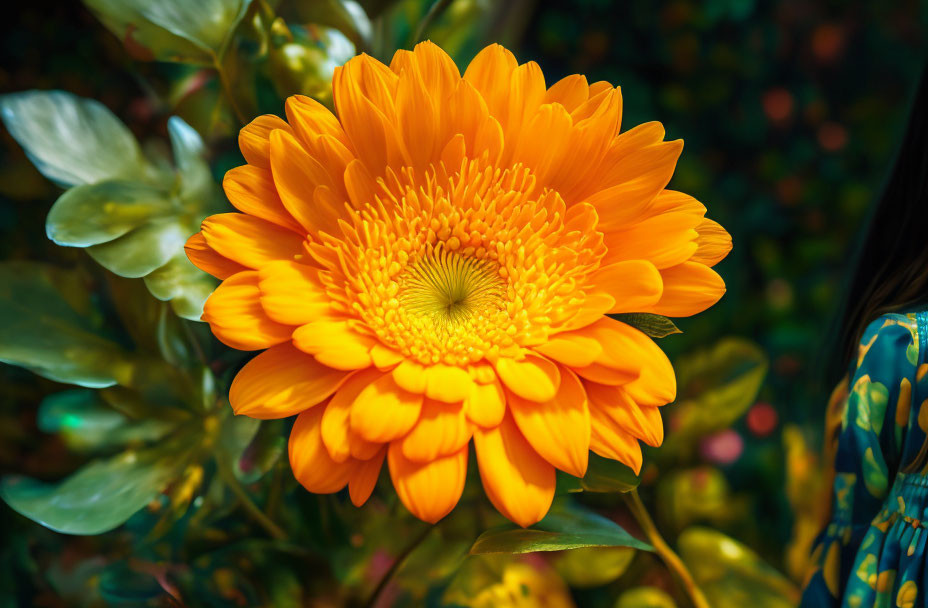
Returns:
<point x="43" y="331"/>
<point x="605" y="475"/>
<point x="86" y="422"/>
<point x="172" y="30"/>
<point x="99" y="496"/>
<point x="567" y="529"/>
<point x="732" y="575"/>
<point x="143" y="250"/>
<point x="650" y="324"/>
<point x="715" y="387"/>
<point x="91" y="214"/>
<point x="71" y="140"/>
<point x="183" y="284"/>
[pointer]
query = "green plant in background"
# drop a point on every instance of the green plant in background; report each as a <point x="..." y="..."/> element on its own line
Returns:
<point x="189" y="505"/>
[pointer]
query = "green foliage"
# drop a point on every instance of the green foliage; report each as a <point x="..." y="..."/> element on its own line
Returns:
<point x="172" y="30"/>
<point x="131" y="215"/>
<point x="46" y="326"/>
<point x="652" y="325"/>
<point x="98" y="497"/>
<point x="567" y="528"/>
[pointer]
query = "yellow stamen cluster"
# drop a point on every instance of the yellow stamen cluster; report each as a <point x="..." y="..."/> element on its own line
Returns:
<point x="455" y="268"/>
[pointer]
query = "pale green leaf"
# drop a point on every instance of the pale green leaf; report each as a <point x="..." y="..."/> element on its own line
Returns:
<point x="91" y="214"/>
<point x="141" y="251"/>
<point x="71" y="140"/>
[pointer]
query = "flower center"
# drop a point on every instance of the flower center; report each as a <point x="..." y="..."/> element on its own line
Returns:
<point x="450" y="289"/>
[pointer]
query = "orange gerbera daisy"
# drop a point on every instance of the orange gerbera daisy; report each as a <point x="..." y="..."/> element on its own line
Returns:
<point x="435" y="265"/>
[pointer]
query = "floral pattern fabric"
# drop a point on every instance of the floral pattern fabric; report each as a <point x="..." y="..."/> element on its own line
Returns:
<point x="872" y="552"/>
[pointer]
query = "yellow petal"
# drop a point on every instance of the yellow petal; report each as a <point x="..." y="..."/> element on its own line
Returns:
<point x="310" y="119"/>
<point x="206" y="259"/>
<point x="383" y="411"/>
<point x="430" y="490"/>
<point x="486" y="403"/>
<point x="689" y="288"/>
<point x="291" y="293"/>
<point x="571" y="349"/>
<point x="665" y="240"/>
<point x="251" y="190"/>
<point x="364" y="478"/>
<point x="410" y="376"/>
<point x="713" y="243"/>
<point x="334" y="343"/>
<point x="442" y="429"/>
<point x="249" y="240"/>
<point x="558" y="429"/>
<point x="309" y="460"/>
<point x="297" y="175"/>
<point x="339" y="439"/>
<point x="236" y="317"/>
<point x="281" y="382"/>
<point x="385" y="358"/>
<point x="253" y="139"/>
<point x="518" y="481"/>
<point x="447" y="383"/>
<point x="634" y="284"/>
<point x="533" y="378"/>
<point x="609" y="441"/>
<point x="642" y="422"/>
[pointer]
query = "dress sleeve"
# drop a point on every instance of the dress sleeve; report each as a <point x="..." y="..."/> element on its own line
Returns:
<point x="867" y="456"/>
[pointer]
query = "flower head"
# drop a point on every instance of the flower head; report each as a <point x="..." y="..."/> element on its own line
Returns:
<point x="435" y="265"/>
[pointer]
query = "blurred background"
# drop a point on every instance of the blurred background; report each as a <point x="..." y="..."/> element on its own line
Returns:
<point x="790" y="111"/>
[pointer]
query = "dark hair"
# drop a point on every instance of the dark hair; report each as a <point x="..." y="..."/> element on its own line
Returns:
<point x="892" y="264"/>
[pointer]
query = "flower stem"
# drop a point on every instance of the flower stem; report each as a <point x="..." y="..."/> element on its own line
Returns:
<point x="253" y="511"/>
<point x="227" y="89"/>
<point x="435" y="11"/>
<point x="671" y="559"/>
<point x="372" y="601"/>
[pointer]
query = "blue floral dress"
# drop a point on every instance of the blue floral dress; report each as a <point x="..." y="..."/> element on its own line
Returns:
<point x="872" y="552"/>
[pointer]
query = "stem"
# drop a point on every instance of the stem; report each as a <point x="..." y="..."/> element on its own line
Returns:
<point x="227" y="89"/>
<point x="435" y="11"/>
<point x="256" y="514"/>
<point x="396" y="566"/>
<point x="671" y="559"/>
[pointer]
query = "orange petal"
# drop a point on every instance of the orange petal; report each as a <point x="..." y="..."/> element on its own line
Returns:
<point x="364" y="478"/>
<point x="643" y="422"/>
<point x="309" y="460"/>
<point x="628" y="350"/>
<point x="634" y="284"/>
<point x="664" y="240"/>
<point x="486" y="403"/>
<point x="385" y="358"/>
<point x="310" y="119"/>
<point x="571" y="349"/>
<point x="417" y="118"/>
<point x="297" y="176"/>
<point x="689" y="288"/>
<point x="610" y="441"/>
<point x="292" y="293"/>
<point x="207" y="260"/>
<point x="447" y="383"/>
<point x="410" y="376"/>
<point x="595" y="305"/>
<point x="253" y="139"/>
<point x="713" y="243"/>
<point x="534" y="378"/>
<point x="383" y="411"/>
<point x="235" y="315"/>
<point x="251" y="190"/>
<point x="334" y="343"/>
<point x="606" y="375"/>
<point x="516" y="479"/>
<point x="430" y="490"/>
<point x="559" y="429"/>
<point x="570" y="92"/>
<point x="249" y="240"/>
<point x="490" y="73"/>
<point x="281" y="382"/>
<point x="339" y="439"/>
<point x="442" y="429"/>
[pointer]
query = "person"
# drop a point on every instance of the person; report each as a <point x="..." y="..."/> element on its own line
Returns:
<point x="872" y="551"/>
